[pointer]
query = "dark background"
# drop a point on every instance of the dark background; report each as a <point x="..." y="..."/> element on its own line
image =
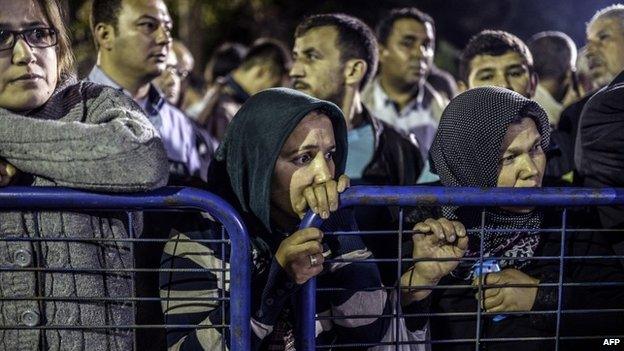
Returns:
<point x="204" y="24"/>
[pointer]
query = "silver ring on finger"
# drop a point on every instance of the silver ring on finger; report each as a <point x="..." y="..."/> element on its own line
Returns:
<point x="313" y="260"/>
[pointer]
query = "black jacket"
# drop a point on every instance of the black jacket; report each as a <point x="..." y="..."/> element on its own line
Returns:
<point x="565" y="138"/>
<point x="599" y="149"/>
<point x="458" y="300"/>
<point x="396" y="160"/>
<point x="570" y="116"/>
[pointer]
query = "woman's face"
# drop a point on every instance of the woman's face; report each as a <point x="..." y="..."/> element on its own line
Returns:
<point x="28" y="76"/>
<point x="522" y="161"/>
<point x="306" y="159"/>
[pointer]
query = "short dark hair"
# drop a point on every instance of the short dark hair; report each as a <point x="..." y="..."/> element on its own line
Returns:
<point x="355" y="39"/>
<point x="225" y="58"/>
<point x="384" y="27"/>
<point x="494" y="43"/>
<point x="105" y="11"/>
<point x="271" y="50"/>
<point x="554" y="54"/>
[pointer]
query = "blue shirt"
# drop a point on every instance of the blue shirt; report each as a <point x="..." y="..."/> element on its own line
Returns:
<point x="418" y="119"/>
<point x="361" y="150"/>
<point x="175" y="129"/>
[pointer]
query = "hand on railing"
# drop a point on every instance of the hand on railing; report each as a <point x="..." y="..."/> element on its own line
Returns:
<point x="8" y="173"/>
<point x="322" y="198"/>
<point x="507" y="299"/>
<point x="301" y="254"/>
<point x="434" y="239"/>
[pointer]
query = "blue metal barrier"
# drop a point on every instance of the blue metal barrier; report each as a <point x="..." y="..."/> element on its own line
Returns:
<point x="44" y="198"/>
<point x="447" y="196"/>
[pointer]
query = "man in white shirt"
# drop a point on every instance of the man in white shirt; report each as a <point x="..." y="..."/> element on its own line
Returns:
<point x="400" y="94"/>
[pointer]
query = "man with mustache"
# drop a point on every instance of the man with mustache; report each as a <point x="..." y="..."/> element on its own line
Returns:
<point x="400" y="94"/>
<point x="600" y="137"/>
<point x="173" y="82"/>
<point x="605" y="43"/>
<point x="133" y="39"/>
<point x="334" y="57"/>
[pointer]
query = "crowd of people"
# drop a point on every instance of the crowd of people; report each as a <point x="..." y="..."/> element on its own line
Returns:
<point x="278" y="132"/>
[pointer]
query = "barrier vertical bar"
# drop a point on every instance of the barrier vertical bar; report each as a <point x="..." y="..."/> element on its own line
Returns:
<point x="306" y="336"/>
<point x="398" y="313"/>
<point x="223" y="276"/>
<point x="132" y="235"/>
<point x="564" y="220"/>
<point x="482" y="280"/>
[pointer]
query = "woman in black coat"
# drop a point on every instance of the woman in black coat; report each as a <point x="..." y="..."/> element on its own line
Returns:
<point x="492" y="137"/>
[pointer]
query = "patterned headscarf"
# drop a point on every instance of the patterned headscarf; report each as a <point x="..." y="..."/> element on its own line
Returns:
<point x="466" y="152"/>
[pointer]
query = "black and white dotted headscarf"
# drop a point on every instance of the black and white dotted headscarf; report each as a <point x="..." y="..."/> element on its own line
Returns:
<point x="466" y="152"/>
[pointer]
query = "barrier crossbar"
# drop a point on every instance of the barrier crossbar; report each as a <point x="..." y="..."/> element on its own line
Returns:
<point x="418" y="196"/>
<point x="170" y="198"/>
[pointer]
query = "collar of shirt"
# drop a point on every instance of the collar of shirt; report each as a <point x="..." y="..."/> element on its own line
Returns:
<point x="151" y="105"/>
<point x="552" y="107"/>
<point x="382" y="99"/>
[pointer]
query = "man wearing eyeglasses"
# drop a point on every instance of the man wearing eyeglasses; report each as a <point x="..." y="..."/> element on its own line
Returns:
<point x="170" y="80"/>
<point x="133" y="39"/>
<point x="173" y="81"/>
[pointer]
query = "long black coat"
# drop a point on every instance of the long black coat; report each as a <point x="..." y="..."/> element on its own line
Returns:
<point x="599" y="148"/>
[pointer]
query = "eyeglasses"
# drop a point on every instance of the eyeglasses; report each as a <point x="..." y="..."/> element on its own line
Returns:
<point x="34" y="37"/>
<point x="178" y="72"/>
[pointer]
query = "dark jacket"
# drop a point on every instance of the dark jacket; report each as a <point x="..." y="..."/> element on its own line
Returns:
<point x="565" y="138"/>
<point x="560" y="160"/>
<point x="396" y="160"/>
<point x="458" y="300"/>
<point x="570" y="116"/>
<point x="599" y="149"/>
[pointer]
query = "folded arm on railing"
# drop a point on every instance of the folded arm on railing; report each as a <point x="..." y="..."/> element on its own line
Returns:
<point x="103" y="144"/>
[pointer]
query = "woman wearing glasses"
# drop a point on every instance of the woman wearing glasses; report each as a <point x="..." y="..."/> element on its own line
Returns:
<point x="56" y="132"/>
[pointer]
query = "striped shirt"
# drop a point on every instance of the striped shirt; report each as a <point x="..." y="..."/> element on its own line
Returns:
<point x="273" y="293"/>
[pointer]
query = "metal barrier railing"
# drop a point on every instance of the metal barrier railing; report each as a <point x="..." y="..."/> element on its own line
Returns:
<point x="60" y="199"/>
<point x="447" y="196"/>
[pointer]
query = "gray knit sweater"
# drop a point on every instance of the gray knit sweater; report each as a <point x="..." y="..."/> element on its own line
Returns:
<point x="87" y="137"/>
